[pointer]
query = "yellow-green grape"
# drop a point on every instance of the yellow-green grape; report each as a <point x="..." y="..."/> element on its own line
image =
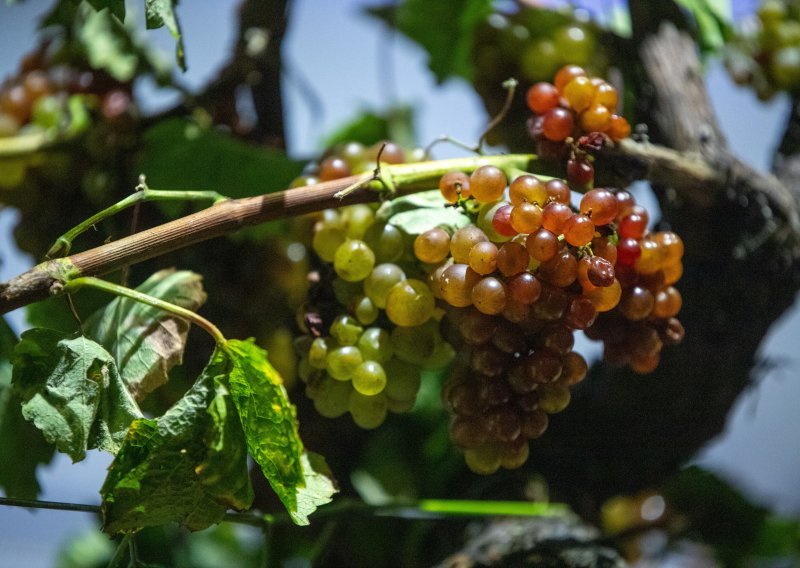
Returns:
<point x="484" y="221"/>
<point x="385" y="240"/>
<point x="351" y="152"/>
<point x="369" y="378"/>
<point x="410" y="303"/>
<point x="483" y="460"/>
<point x="342" y="362"/>
<point x="553" y="398"/>
<point x="318" y="352"/>
<point x="304" y="369"/>
<point x="365" y="309"/>
<point x="416" y="344"/>
<point x="463" y="240"/>
<point x="513" y="457"/>
<point x="402" y="380"/>
<point x="346" y="292"/>
<point x="380" y="281"/>
<point x="368" y="412"/>
<point x="357" y="218"/>
<point x="353" y="260"/>
<point x="326" y="241"/>
<point x="375" y="345"/>
<point x="346" y="330"/>
<point x="399" y="406"/>
<point x="332" y="398"/>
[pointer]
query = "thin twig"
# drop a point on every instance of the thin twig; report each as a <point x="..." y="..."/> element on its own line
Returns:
<point x="510" y="85"/>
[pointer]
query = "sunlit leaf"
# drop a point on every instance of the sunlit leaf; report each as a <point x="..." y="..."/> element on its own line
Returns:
<point x="270" y="427"/>
<point x="189" y="466"/>
<point x="417" y="213"/>
<point x="72" y="392"/>
<point x="147" y="342"/>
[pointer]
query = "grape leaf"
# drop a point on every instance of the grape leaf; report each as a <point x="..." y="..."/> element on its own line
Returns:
<point x="188" y="466"/>
<point x="115" y="7"/>
<point x="72" y="392"/>
<point x="22" y="447"/>
<point x="147" y="342"/>
<point x="395" y="124"/>
<point x="270" y="427"/>
<point x="444" y="29"/>
<point x="162" y="13"/>
<point x="713" y="19"/>
<point x="419" y="212"/>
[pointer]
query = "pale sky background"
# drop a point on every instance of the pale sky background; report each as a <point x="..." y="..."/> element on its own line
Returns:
<point x="338" y="50"/>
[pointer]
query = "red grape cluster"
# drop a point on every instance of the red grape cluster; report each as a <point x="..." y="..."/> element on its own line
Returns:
<point x="521" y="281"/>
<point x="574" y="105"/>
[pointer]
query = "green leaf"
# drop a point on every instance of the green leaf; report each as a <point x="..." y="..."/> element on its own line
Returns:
<point x="72" y="392"/>
<point x="189" y="466"/>
<point x="445" y="29"/>
<point x="179" y="153"/>
<point x="108" y="45"/>
<point x="162" y="13"/>
<point x="395" y="124"/>
<point x="713" y="19"/>
<point x="270" y="426"/>
<point x="115" y="7"/>
<point x="417" y="213"/>
<point x="22" y="447"/>
<point x="147" y="342"/>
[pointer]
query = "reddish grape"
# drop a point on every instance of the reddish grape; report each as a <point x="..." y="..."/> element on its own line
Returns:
<point x="455" y="285"/>
<point x="477" y="328"/>
<point x="333" y="167"/>
<point x="543" y="367"/>
<point x="554" y="215"/>
<point x="487" y="184"/>
<point x="502" y="221"/>
<point x="632" y="226"/>
<point x="578" y="230"/>
<point x="527" y="188"/>
<point x="489" y="295"/>
<point x="601" y="272"/>
<point x="524" y="288"/>
<point x="557" y="124"/>
<point x="512" y="258"/>
<point x="602" y="247"/>
<point x="625" y="203"/>
<point x="636" y="303"/>
<point x="453" y="185"/>
<point x="581" y="313"/>
<point x="561" y="270"/>
<point x="580" y="172"/>
<point x="542" y="245"/>
<point x="667" y="303"/>
<point x="575" y="369"/>
<point x="526" y="218"/>
<point x="558" y="191"/>
<point x="628" y="252"/>
<point x="618" y="128"/>
<point x="541" y="97"/>
<point x="600" y="205"/>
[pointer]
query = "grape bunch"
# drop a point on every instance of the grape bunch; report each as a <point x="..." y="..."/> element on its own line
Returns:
<point x="574" y="108"/>
<point x="521" y="281"/>
<point x="370" y="317"/>
<point x="765" y="54"/>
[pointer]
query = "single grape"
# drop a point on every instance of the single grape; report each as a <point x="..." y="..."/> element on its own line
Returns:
<point x="327" y="240"/>
<point x="318" y="352"/>
<point x="527" y="189"/>
<point x="667" y="303"/>
<point x="541" y="97"/>
<point x="365" y="310"/>
<point x="487" y="183"/>
<point x="512" y="258"/>
<point x="600" y="205"/>
<point x="483" y="460"/>
<point x="353" y="260"/>
<point x="557" y="124"/>
<point x="333" y="168"/>
<point x="483" y="257"/>
<point x="554" y="215"/>
<point x="580" y="172"/>
<point x="368" y="412"/>
<point x="456" y="285"/>
<point x="542" y="245"/>
<point x="346" y="293"/>
<point x="526" y="218"/>
<point x="380" y="281"/>
<point x="375" y="345"/>
<point x="489" y="295"/>
<point x="636" y="303"/>
<point x="332" y="398"/>
<point x="596" y="118"/>
<point x="558" y="191"/>
<point x="432" y="246"/>
<point x="606" y="298"/>
<point x="606" y="95"/>
<point x="369" y="378"/>
<point x="566" y="74"/>
<point x="346" y="330"/>
<point x="501" y="221"/>
<point x="403" y="380"/>
<point x="453" y="185"/>
<point x="576" y="41"/>
<point x="357" y="219"/>
<point x="342" y="362"/>
<point x="410" y="303"/>
<point x="485" y="221"/>
<point x="385" y="240"/>
<point x="578" y="230"/>
<point x="553" y="398"/>
<point x="524" y="288"/>
<point x="618" y="128"/>
<point x="579" y="93"/>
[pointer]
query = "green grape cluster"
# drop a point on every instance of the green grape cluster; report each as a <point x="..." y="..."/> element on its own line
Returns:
<point x="766" y="51"/>
<point x="379" y="329"/>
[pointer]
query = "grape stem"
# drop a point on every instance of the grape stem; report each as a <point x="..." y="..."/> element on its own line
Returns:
<point x="50" y="277"/>
<point x="91" y="282"/>
<point x="142" y="194"/>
